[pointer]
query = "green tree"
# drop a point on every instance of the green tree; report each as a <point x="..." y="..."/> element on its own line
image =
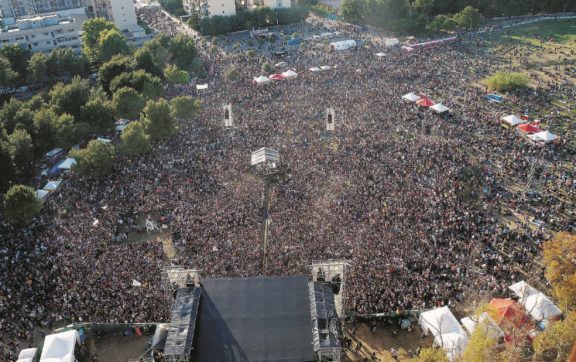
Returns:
<point x="175" y="75"/>
<point x="184" y="107"/>
<point x="98" y="113"/>
<point x="352" y="11"/>
<point x="24" y="119"/>
<point x="91" y="30"/>
<point x="158" y="120"/>
<point x="6" y="165"/>
<point x="7" y="75"/>
<point x="431" y="355"/>
<point x="113" y="68"/>
<point x="96" y="160"/>
<point x="21" y="205"/>
<point x="8" y="113"/>
<point x="70" y="132"/>
<point x="45" y="131"/>
<point x="560" y="262"/>
<point x="144" y="83"/>
<point x="183" y="51"/>
<point x="134" y="141"/>
<point x="267" y="68"/>
<point x="21" y="150"/>
<point x="145" y="59"/>
<point x="482" y="344"/>
<point x="504" y="81"/>
<point x="557" y="340"/>
<point x="37" y="68"/>
<point x="127" y="103"/>
<point x="35" y="103"/>
<point x="18" y="58"/>
<point x="69" y="98"/>
<point x="63" y="61"/>
<point x="111" y="42"/>
<point x="469" y="18"/>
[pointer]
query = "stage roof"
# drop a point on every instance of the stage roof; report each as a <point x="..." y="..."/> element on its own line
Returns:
<point x="255" y="319"/>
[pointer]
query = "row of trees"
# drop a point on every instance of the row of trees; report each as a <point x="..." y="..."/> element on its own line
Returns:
<point x="246" y="20"/>
<point x="18" y="66"/>
<point x="71" y="112"/>
<point x="415" y="15"/>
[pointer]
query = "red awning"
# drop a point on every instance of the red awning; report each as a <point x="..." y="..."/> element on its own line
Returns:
<point x="528" y="128"/>
<point x="276" y="77"/>
<point x="425" y="102"/>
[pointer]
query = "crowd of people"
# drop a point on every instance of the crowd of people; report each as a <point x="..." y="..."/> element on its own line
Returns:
<point x="414" y="200"/>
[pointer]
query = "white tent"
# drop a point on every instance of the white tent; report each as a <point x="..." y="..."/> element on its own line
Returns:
<point x="104" y="140"/>
<point x="446" y="331"/>
<point x="261" y="80"/>
<point x="120" y="127"/>
<point x="343" y="45"/>
<point x="438" y="321"/>
<point x="52" y="185"/>
<point x="492" y="329"/>
<point x="439" y="108"/>
<point x="325" y="67"/>
<point x="27" y="355"/>
<point x="67" y="164"/>
<point x="522" y="289"/>
<point x="391" y="42"/>
<point x="42" y="194"/>
<point x="290" y="74"/>
<point x="315" y="69"/>
<point x="543" y="136"/>
<point x="411" y="97"/>
<point x="540" y="307"/>
<point x="452" y="343"/>
<point x="513" y="120"/>
<point x="380" y="55"/>
<point x="60" y="347"/>
<point x="201" y="86"/>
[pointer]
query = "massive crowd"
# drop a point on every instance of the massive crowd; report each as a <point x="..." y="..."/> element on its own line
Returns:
<point x="414" y="200"/>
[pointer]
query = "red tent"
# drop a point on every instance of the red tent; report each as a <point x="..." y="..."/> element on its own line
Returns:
<point x="425" y="102"/>
<point x="528" y="128"/>
<point x="276" y="77"/>
<point x="509" y="314"/>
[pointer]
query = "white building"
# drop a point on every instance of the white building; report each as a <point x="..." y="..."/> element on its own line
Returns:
<point x="210" y="7"/>
<point x="42" y="33"/>
<point x="272" y="4"/>
<point x="121" y="12"/>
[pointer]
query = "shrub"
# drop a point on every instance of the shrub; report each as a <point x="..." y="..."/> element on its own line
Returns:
<point x="504" y="81"/>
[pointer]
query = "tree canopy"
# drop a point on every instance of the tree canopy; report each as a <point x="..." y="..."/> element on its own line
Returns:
<point x="560" y="261"/>
<point x="158" y="120"/>
<point x="21" y="205"/>
<point x="134" y="140"/>
<point x="128" y="103"/>
<point x="96" y="160"/>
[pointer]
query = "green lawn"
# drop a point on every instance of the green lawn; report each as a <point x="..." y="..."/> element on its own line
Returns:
<point x="560" y="31"/>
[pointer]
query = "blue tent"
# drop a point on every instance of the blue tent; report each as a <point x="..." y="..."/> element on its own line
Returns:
<point x="294" y="42"/>
<point x="495" y="98"/>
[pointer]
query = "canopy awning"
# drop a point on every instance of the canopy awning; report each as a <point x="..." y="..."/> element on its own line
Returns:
<point x="439" y="108"/>
<point x="528" y="128"/>
<point x="261" y="80"/>
<point x="544" y="136"/>
<point x="201" y="86"/>
<point x="42" y="194"/>
<point x="60" y="347"/>
<point x="67" y="164"/>
<point x="52" y="185"/>
<point x="315" y="69"/>
<point x="325" y="67"/>
<point x="513" y="120"/>
<point x="425" y="102"/>
<point x="411" y="97"/>
<point x="290" y="74"/>
<point x="380" y="55"/>
<point x="276" y="77"/>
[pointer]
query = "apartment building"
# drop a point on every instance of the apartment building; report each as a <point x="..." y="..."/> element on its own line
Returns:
<point x="209" y="8"/>
<point x="20" y="8"/>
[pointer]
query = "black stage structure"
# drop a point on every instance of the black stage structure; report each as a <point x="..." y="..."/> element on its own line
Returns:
<point x="254" y="319"/>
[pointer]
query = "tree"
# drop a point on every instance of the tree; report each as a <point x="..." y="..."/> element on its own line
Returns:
<point x="21" y="150"/>
<point x="134" y="140"/>
<point x="144" y="83"/>
<point x="184" y="107"/>
<point x="69" y="98"/>
<point x="45" y="131"/>
<point x="560" y="262"/>
<point x="504" y="81"/>
<point x="37" y="68"/>
<point x="267" y="68"/>
<point x="7" y="75"/>
<point x="557" y="340"/>
<point x="21" y="205"/>
<point x="91" y="30"/>
<point x="70" y="132"/>
<point x="175" y="75"/>
<point x="18" y="58"/>
<point x="431" y="355"/>
<point x="63" y="61"/>
<point x="127" y="103"/>
<point x="8" y="113"/>
<point x="145" y="59"/>
<point x="352" y="11"/>
<point x="482" y="344"/>
<point x="113" y="68"/>
<point x="96" y="160"/>
<point x="24" y="119"/>
<point x="158" y="120"/>
<point x="183" y="51"/>
<point x="6" y="165"/>
<point x="469" y="18"/>
<point x="98" y="113"/>
<point x="111" y="42"/>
